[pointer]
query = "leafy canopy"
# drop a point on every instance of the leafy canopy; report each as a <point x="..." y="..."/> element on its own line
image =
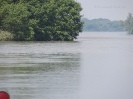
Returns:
<point x="41" y="19"/>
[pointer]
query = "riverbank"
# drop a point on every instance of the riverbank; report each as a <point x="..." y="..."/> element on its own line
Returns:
<point x="5" y="36"/>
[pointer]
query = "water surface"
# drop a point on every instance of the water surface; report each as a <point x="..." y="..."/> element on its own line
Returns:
<point x="107" y="66"/>
<point x="40" y="70"/>
<point x="96" y="66"/>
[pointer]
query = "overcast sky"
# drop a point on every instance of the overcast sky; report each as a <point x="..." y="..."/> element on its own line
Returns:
<point x="109" y="9"/>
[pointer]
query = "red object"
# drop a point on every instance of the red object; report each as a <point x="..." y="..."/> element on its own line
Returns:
<point x="4" y="95"/>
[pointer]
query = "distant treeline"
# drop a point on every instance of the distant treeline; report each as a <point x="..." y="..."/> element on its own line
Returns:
<point x="101" y="25"/>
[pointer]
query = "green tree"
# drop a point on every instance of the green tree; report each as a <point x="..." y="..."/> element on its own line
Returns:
<point x="15" y="19"/>
<point x="128" y="24"/>
<point x="41" y="19"/>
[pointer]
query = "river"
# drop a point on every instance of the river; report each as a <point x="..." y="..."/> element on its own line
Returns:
<point x="98" y="65"/>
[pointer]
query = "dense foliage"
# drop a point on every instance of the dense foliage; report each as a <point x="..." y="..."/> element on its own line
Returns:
<point x="128" y="23"/>
<point x="41" y="20"/>
<point x="101" y="25"/>
<point x="5" y="36"/>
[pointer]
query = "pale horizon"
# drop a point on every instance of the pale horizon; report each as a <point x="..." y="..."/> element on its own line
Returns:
<point x="106" y="9"/>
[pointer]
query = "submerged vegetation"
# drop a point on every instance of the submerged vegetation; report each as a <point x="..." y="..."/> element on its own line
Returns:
<point x="41" y="20"/>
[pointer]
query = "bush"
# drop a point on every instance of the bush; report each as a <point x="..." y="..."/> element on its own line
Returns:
<point x="5" y="36"/>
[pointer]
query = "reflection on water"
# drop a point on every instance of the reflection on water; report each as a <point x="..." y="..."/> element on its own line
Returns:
<point x="96" y="66"/>
<point x="40" y="70"/>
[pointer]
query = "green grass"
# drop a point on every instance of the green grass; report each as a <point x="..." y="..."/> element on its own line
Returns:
<point x="5" y="36"/>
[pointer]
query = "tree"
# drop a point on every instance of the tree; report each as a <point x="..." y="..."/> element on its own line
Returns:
<point x="41" y="19"/>
<point x="128" y="23"/>
<point x="15" y="19"/>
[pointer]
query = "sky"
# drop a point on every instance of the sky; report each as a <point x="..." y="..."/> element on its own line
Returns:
<point x="107" y="9"/>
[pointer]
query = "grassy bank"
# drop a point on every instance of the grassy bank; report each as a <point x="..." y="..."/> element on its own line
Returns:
<point x="5" y="36"/>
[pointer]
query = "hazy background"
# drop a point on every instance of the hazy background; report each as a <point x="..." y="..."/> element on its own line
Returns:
<point x="109" y="9"/>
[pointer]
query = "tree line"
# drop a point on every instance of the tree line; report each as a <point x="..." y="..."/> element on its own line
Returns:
<point x="41" y="20"/>
<point x="100" y="24"/>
